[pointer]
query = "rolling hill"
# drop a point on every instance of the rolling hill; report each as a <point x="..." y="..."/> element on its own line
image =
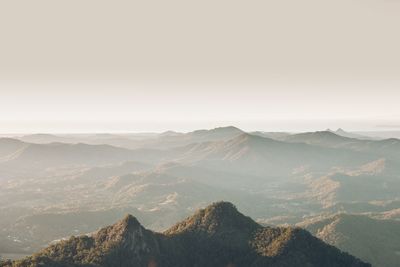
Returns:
<point x="388" y="148"/>
<point x="275" y="181"/>
<point x="372" y="240"/>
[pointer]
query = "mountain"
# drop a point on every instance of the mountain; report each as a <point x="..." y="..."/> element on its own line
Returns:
<point x="170" y="133"/>
<point x="170" y="140"/>
<point x="344" y="133"/>
<point x="275" y="181"/>
<point x="272" y="135"/>
<point x="215" y="236"/>
<point x="355" y="189"/>
<point x="384" y="134"/>
<point x="47" y="139"/>
<point x="60" y="154"/>
<point x="219" y="133"/>
<point x="55" y="155"/>
<point x="372" y="240"/>
<point x="321" y="138"/>
<point x="384" y="148"/>
<point x="120" y="140"/>
<point x="254" y="155"/>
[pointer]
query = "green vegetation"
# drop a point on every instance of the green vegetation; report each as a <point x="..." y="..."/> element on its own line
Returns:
<point x="216" y="236"/>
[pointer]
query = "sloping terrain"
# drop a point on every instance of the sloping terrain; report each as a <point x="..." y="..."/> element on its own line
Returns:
<point x="216" y="236"/>
<point x="51" y="191"/>
<point x="372" y="240"/>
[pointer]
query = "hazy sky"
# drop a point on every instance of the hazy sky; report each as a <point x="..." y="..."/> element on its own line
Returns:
<point x="94" y="65"/>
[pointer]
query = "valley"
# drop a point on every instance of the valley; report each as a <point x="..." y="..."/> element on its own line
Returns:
<point x="64" y="189"/>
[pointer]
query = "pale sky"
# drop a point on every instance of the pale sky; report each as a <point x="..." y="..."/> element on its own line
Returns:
<point x="117" y="66"/>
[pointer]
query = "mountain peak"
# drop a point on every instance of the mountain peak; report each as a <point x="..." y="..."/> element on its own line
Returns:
<point x="344" y="133"/>
<point x="228" y="129"/>
<point x="223" y="205"/>
<point x="219" y="130"/>
<point x="338" y="130"/>
<point x="128" y="224"/>
<point x="217" y="217"/>
<point x="218" y="235"/>
<point x="221" y="209"/>
<point x="123" y="230"/>
<point x="130" y="221"/>
<point x="313" y="137"/>
<point x="170" y="133"/>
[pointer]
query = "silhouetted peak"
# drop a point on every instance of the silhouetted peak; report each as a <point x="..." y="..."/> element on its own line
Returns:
<point x="219" y="130"/>
<point x="130" y="221"/>
<point x="216" y="218"/>
<point x="320" y="134"/>
<point x="214" y="236"/>
<point x="127" y="233"/>
<point x="125" y="227"/>
<point x="227" y="129"/>
<point x="170" y="133"/>
<point x="222" y="208"/>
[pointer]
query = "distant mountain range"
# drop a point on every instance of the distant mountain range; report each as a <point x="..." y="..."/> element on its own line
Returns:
<point x="170" y="139"/>
<point x="216" y="236"/>
<point x="49" y="191"/>
<point x="164" y="140"/>
<point x="344" y="133"/>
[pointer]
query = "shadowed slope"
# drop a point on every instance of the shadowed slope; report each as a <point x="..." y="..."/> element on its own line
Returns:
<point x="216" y="236"/>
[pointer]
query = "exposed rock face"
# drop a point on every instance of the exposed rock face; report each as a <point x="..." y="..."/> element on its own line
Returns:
<point x="216" y="236"/>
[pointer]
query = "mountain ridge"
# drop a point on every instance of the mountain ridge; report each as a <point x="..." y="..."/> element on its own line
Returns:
<point x="218" y="235"/>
